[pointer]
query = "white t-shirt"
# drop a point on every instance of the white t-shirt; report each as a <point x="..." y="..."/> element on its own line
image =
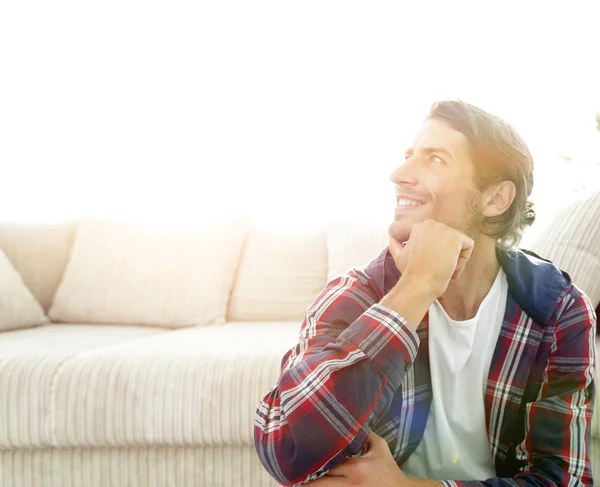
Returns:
<point x="455" y="443"/>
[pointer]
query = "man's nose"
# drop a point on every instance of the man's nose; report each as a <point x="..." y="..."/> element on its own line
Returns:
<point x="406" y="174"/>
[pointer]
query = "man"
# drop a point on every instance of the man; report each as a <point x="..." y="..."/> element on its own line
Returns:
<point x="453" y="358"/>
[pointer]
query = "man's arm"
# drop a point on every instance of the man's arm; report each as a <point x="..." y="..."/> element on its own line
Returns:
<point x="558" y="424"/>
<point x="336" y="382"/>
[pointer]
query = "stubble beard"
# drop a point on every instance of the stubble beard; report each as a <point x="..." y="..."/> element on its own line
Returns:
<point x="472" y="221"/>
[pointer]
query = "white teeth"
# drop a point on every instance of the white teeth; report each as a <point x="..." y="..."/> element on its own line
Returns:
<point x="402" y="202"/>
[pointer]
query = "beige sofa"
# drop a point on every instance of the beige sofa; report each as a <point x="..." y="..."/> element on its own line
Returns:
<point x="141" y="373"/>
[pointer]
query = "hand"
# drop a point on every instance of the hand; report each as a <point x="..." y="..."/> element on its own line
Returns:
<point x="434" y="252"/>
<point x="375" y="468"/>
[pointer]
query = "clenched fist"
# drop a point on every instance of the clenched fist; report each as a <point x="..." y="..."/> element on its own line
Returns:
<point x="434" y="254"/>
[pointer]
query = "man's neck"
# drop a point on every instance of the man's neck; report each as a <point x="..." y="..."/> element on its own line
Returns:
<point x="463" y="296"/>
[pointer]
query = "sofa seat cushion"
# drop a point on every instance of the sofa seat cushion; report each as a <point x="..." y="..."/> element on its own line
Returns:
<point x="30" y="360"/>
<point x="195" y="386"/>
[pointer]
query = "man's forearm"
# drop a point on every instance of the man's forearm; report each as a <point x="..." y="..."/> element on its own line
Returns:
<point x="411" y="297"/>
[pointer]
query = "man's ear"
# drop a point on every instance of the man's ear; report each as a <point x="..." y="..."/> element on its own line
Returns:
<point x="498" y="197"/>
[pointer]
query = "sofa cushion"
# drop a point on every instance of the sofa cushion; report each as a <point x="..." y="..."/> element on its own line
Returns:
<point x="571" y="240"/>
<point x="186" y="387"/>
<point x="39" y="252"/>
<point x="18" y="307"/>
<point x="29" y="363"/>
<point x="279" y="276"/>
<point x="150" y="274"/>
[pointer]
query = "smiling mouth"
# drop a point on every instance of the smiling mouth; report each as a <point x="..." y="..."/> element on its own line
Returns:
<point x="407" y="204"/>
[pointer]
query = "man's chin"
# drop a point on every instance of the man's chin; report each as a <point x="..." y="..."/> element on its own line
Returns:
<point x="399" y="230"/>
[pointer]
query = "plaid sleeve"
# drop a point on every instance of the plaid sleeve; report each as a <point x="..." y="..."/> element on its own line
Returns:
<point x="558" y="424"/>
<point x="335" y="383"/>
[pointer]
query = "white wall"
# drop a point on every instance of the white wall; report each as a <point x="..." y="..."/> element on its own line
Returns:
<point x="276" y="108"/>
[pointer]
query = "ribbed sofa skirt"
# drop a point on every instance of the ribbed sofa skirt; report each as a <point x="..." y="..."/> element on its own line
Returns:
<point x="202" y="466"/>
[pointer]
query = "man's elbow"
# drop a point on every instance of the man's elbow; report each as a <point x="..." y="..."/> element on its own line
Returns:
<point x="288" y="462"/>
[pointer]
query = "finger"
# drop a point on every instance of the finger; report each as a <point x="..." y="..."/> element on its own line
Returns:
<point x="395" y="246"/>
<point x="456" y="275"/>
<point x="374" y="443"/>
<point x="467" y="246"/>
<point x="373" y="437"/>
<point x="399" y="253"/>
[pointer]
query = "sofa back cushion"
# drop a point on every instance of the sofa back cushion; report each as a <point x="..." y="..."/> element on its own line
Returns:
<point x="18" y="307"/>
<point x="280" y="274"/>
<point x="353" y="243"/>
<point x="39" y="252"/>
<point x="150" y="274"/>
<point x="571" y="240"/>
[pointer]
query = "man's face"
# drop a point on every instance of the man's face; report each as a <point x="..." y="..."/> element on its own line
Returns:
<point x="437" y="181"/>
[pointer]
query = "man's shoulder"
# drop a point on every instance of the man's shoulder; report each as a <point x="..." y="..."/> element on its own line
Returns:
<point x="573" y="298"/>
<point x="536" y="283"/>
<point x="379" y="274"/>
<point x="347" y="296"/>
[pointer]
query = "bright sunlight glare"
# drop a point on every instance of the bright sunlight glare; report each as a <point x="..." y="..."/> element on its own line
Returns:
<point x="287" y="111"/>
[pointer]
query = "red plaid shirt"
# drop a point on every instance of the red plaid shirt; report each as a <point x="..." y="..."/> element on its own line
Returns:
<point x="359" y="368"/>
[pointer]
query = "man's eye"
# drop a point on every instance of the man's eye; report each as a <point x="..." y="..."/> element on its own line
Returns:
<point x="437" y="160"/>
